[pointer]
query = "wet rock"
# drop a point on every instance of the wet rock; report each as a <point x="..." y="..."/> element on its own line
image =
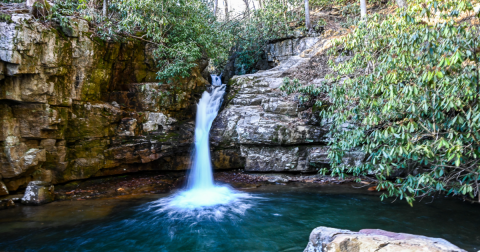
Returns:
<point x="17" y="158"/>
<point x="38" y="193"/>
<point x="17" y="198"/>
<point x="256" y="179"/>
<point x="114" y="186"/>
<point x="227" y="159"/>
<point x="277" y="158"/>
<point x="6" y="203"/>
<point x="3" y="189"/>
<point x="158" y="122"/>
<point x="277" y="178"/>
<point x="325" y="239"/>
<point x="10" y="203"/>
<point x="127" y="127"/>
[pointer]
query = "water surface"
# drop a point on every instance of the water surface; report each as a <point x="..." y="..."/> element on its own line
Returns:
<point x="270" y="218"/>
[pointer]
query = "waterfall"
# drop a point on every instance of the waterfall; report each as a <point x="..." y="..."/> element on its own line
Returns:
<point x="201" y="192"/>
<point x="201" y="176"/>
<point x="216" y="79"/>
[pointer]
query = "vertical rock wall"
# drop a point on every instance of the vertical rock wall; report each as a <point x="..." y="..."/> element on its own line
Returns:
<point x="282" y="50"/>
<point x="73" y="106"/>
<point x="269" y="130"/>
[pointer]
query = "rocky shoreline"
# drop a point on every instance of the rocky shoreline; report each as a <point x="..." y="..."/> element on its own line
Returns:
<point x="322" y="239"/>
<point x="164" y="182"/>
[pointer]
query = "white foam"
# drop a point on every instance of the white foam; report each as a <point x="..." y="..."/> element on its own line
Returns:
<point x="213" y="203"/>
<point x="202" y="198"/>
<point x="199" y="197"/>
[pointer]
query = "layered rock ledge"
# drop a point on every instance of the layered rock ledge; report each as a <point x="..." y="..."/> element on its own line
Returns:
<point x="272" y="131"/>
<point x="73" y="106"/>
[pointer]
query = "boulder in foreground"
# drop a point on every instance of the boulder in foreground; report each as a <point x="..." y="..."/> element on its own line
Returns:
<point x="325" y="239"/>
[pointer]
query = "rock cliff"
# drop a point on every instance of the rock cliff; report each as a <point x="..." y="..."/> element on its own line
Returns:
<point x="270" y="130"/>
<point x="73" y="106"/>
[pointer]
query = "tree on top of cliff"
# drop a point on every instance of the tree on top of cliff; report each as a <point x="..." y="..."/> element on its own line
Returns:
<point x="183" y="31"/>
<point x="410" y="94"/>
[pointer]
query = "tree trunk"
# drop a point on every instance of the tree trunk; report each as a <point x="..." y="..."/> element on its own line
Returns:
<point x="226" y="9"/>
<point x="478" y="189"/>
<point x="105" y="8"/>
<point x="215" y="8"/>
<point x="247" y="8"/>
<point x="307" y="16"/>
<point x="402" y="3"/>
<point x="260" y="4"/>
<point x="363" y="8"/>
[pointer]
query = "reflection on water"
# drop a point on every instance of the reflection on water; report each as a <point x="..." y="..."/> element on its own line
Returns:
<point x="270" y="218"/>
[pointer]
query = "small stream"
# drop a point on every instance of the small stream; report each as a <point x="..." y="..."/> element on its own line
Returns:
<point x="272" y="218"/>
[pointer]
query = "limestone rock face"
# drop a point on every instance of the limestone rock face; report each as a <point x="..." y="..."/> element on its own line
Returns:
<point x="325" y="239"/>
<point x="38" y="193"/>
<point x="284" y="49"/>
<point x="270" y="130"/>
<point x="73" y="106"/>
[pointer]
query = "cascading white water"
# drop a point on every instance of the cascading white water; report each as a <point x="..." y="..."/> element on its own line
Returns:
<point x="201" y="191"/>
<point x="216" y="80"/>
<point x="207" y="109"/>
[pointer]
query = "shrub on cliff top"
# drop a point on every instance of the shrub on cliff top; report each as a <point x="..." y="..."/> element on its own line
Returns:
<point x="411" y="90"/>
<point x="413" y="94"/>
<point x="183" y="31"/>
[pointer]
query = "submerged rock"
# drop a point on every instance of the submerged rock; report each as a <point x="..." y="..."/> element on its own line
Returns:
<point x="325" y="239"/>
<point x="6" y="203"/>
<point x="38" y="193"/>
